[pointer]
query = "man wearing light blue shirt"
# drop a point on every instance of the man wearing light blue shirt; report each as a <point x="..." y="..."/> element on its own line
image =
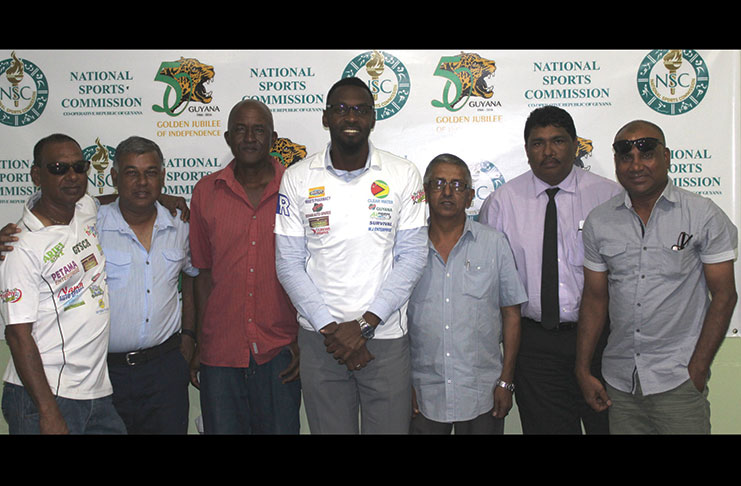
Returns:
<point x="152" y="331"/>
<point x="464" y="314"/>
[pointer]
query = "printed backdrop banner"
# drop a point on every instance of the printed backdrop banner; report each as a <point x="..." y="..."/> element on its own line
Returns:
<point x="469" y="102"/>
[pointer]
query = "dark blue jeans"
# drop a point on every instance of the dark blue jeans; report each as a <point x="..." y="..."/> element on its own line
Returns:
<point x="250" y="400"/>
<point x="97" y="416"/>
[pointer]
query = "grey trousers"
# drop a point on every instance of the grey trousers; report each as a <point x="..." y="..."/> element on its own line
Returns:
<point x="373" y="400"/>
<point x="683" y="410"/>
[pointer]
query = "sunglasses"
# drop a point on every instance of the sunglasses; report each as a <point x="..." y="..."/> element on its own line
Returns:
<point x="61" y="168"/>
<point x="646" y="144"/>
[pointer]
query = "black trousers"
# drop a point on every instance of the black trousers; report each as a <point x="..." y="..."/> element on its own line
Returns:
<point x="152" y="397"/>
<point x="548" y="396"/>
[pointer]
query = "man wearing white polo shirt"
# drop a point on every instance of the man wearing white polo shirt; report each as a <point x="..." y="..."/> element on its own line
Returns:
<point x="54" y="305"/>
<point x="351" y="243"/>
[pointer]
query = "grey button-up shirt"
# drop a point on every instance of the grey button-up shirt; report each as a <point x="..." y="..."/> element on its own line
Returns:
<point x="455" y="324"/>
<point x="658" y="295"/>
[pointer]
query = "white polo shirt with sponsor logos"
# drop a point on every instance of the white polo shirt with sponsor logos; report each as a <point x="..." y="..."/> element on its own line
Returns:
<point x="349" y="229"/>
<point x="55" y="278"/>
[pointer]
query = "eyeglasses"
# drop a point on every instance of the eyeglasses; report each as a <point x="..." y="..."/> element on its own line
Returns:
<point x="61" y="168"/>
<point x="439" y="185"/>
<point x="646" y="144"/>
<point x="343" y="109"/>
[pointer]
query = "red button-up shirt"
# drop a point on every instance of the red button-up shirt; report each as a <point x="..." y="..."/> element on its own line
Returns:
<point x="247" y="311"/>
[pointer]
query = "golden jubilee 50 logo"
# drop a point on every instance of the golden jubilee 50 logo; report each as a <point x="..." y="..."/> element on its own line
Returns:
<point x="468" y="75"/>
<point x="186" y="81"/>
<point x="673" y="81"/>
<point x="24" y="91"/>
<point x="387" y="77"/>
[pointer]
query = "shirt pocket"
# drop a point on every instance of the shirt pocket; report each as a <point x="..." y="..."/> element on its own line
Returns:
<point x="575" y="250"/>
<point x="174" y="261"/>
<point x="616" y="258"/>
<point x="477" y="278"/>
<point x="672" y="263"/>
<point x="118" y="268"/>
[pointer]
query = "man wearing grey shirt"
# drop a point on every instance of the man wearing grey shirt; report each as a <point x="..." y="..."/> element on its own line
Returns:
<point x="465" y="306"/>
<point x="659" y="259"/>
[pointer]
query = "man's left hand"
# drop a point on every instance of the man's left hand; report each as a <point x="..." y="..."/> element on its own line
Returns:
<point x="291" y="373"/>
<point x="343" y="339"/>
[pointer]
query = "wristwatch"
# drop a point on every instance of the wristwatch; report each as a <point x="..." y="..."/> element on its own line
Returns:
<point x="506" y="386"/>
<point x="366" y="329"/>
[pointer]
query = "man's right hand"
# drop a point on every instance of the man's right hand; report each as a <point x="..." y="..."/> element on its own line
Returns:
<point x="6" y="236"/>
<point x="52" y="422"/>
<point x="356" y="355"/>
<point x="195" y="367"/>
<point x="594" y="392"/>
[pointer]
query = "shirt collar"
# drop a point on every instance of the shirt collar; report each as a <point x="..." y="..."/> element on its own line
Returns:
<point x="469" y="228"/>
<point x="669" y="194"/>
<point x="325" y="161"/>
<point x="227" y="177"/>
<point x="567" y="185"/>
<point x="32" y="222"/>
<point x="117" y="223"/>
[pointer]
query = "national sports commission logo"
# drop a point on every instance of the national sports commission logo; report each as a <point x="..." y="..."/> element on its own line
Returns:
<point x="387" y="77"/>
<point x="100" y="157"/>
<point x="673" y="82"/>
<point x="24" y="91"/>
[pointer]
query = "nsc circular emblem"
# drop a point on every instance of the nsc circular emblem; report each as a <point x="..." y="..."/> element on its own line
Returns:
<point x="672" y="81"/>
<point x="387" y="78"/>
<point x="24" y="91"/>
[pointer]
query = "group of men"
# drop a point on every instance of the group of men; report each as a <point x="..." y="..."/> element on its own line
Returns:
<point x="599" y="308"/>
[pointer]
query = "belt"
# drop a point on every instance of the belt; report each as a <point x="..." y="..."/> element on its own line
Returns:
<point x="561" y="326"/>
<point x="143" y="355"/>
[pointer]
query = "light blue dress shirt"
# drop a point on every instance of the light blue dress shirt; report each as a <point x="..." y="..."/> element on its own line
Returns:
<point x="455" y="324"/>
<point x="144" y="291"/>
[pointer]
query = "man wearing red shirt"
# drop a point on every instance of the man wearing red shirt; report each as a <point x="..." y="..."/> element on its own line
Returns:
<point x="246" y="365"/>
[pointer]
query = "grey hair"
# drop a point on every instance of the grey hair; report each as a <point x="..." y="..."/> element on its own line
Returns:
<point x="448" y="159"/>
<point x="138" y="146"/>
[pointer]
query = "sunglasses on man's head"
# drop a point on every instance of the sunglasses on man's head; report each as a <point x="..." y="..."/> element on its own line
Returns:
<point x="61" y="168"/>
<point x="645" y="144"/>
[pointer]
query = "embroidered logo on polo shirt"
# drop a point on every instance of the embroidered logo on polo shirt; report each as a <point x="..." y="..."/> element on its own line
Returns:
<point x="70" y="293"/>
<point x="320" y="225"/>
<point x="316" y="192"/>
<point x="52" y="255"/>
<point x="89" y="262"/>
<point x="380" y="189"/>
<point x="10" y="296"/>
<point x="65" y="272"/>
<point x="283" y="204"/>
<point x="81" y="246"/>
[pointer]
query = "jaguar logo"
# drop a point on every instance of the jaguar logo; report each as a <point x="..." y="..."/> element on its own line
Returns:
<point x="470" y="74"/>
<point x="186" y="81"/>
<point x="287" y="152"/>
